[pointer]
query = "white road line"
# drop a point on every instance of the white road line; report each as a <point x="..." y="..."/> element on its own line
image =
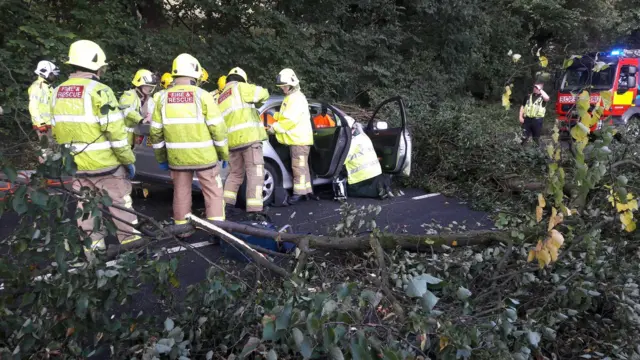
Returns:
<point x="424" y="196"/>
<point x="172" y="250"/>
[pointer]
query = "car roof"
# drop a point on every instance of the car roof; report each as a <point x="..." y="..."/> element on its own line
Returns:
<point x="278" y="99"/>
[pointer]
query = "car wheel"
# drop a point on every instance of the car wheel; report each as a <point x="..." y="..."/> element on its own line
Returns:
<point x="271" y="181"/>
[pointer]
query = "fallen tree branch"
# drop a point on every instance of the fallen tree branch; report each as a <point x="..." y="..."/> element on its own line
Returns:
<point x="387" y="241"/>
<point x="625" y="162"/>
<point x="383" y="283"/>
<point x="232" y="240"/>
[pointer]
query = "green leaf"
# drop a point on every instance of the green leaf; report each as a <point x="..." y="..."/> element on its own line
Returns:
<point x="111" y="273"/>
<point x="28" y="299"/>
<point x="283" y="319"/>
<point x="335" y="353"/>
<point x="162" y="349"/>
<point x="298" y="337"/>
<point x="268" y="331"/>
<point x="11" y="173"/>
<point x="429" y="300"/>
<point x="249" y="347"/>
<point x="272" y="355"/>
<point x="463" y="294"/>
<point x="39" y="198"/>
<point x="329" y="307"/>
<point x="82" y="304"/>
<point x="534" y="338"/>
<point x="19" y="204"/>
<point x="168" y="324"/>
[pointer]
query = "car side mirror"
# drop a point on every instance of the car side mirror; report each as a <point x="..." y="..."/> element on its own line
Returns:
<point x="382" y="125"/>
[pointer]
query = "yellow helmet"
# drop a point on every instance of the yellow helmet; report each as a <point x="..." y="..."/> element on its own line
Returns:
<point x="86" y="54"/>
<point x="143" y="77"/>
<point x="186" y="65"/>
<point x="238" y="71"/>
<point x="205" y="76"/>
<point x="166" y="80"/>
<point x="222" y="81"/>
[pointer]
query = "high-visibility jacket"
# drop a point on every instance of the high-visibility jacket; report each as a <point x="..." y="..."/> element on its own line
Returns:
<point x="293" y="121"/>
<point x="40" y="102"/>
<point x="237" y="103"/>
<point x="98" y="141"/>
<point x="535" y="109"/>
<point x="362" y="162"/>
<point x="216" y="95"/>
<point x="131" y="105"/>
<point x="188" y="130"/>
<point x="322" y="121"/>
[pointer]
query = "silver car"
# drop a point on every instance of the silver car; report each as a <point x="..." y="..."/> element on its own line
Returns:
<point x="326" y="160"/>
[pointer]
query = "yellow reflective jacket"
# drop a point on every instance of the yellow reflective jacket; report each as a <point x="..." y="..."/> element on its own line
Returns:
<point x="40" y="102"/>
<point x="362" y="162"/>
<point x="293" y="121"/>
<point x="188" y="130"/>
<point x="535" y="109"/>
<point x="216" y="95"/>
<point x="86" y="117"/>
<point x="237" y="104"/>
<point x="130" y="105"/>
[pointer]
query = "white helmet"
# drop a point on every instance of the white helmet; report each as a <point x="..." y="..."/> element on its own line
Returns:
<point x="46" y="68"/>
<point x="287" y="77"/>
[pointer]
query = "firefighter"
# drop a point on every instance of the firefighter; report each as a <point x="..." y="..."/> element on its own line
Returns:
<point x="293" y="128"/>
<point x="40" y="99"/>
<point x="87" y="119"/>
<point x="133" y="102"/>
<point x="189" y="136"/>
<point x="222" y="81"/>
<point x="362" y="167"/>
<point x="532" y="113"/>
<point x="246" y="133"/>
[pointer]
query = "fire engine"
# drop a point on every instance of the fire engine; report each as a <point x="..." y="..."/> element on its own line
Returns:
<point x="620" y="76"/>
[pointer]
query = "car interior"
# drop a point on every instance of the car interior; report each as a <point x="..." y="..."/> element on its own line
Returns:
<point x="330" y="144"/>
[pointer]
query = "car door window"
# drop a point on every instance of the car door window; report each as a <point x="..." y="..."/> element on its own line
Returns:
<point x="389" y="134"/>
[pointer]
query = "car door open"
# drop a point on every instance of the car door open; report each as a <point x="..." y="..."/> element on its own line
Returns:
<point x="330" y="145"/>
<point x="390" y="136"/>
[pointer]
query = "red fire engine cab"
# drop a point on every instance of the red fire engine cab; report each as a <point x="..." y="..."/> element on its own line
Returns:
<point x="620" y="76"/>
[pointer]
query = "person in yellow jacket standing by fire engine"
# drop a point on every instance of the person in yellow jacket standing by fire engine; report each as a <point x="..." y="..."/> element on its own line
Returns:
<point x="246" y="133"/>
<point x="293" y="128"/>
<point x="40" y="99"/>
<point x="189" y="136"/>
<point x="133" y="102"/>
<point x="86" y="118"/>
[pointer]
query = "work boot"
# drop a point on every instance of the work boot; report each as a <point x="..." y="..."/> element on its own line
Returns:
<point x="296" y="199"/>
<point x="312" y="196"/>
<point x="258" y="217"/>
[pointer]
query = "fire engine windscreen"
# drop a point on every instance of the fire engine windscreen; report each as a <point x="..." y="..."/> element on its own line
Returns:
<point x="579" y="77"/>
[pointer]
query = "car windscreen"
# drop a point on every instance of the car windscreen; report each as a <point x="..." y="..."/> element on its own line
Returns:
<point x="577" y="78"/>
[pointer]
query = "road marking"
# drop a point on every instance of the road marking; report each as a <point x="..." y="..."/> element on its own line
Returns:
<point x="424" y="196"/>
<point x="172" y="250"/>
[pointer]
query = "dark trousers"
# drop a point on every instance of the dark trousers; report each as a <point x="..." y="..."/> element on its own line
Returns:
<point x="377" y="188"/>
<point x="532" y="127"/>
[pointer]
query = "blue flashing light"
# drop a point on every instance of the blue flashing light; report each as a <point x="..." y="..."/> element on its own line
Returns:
<point x="616" y="52"/>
